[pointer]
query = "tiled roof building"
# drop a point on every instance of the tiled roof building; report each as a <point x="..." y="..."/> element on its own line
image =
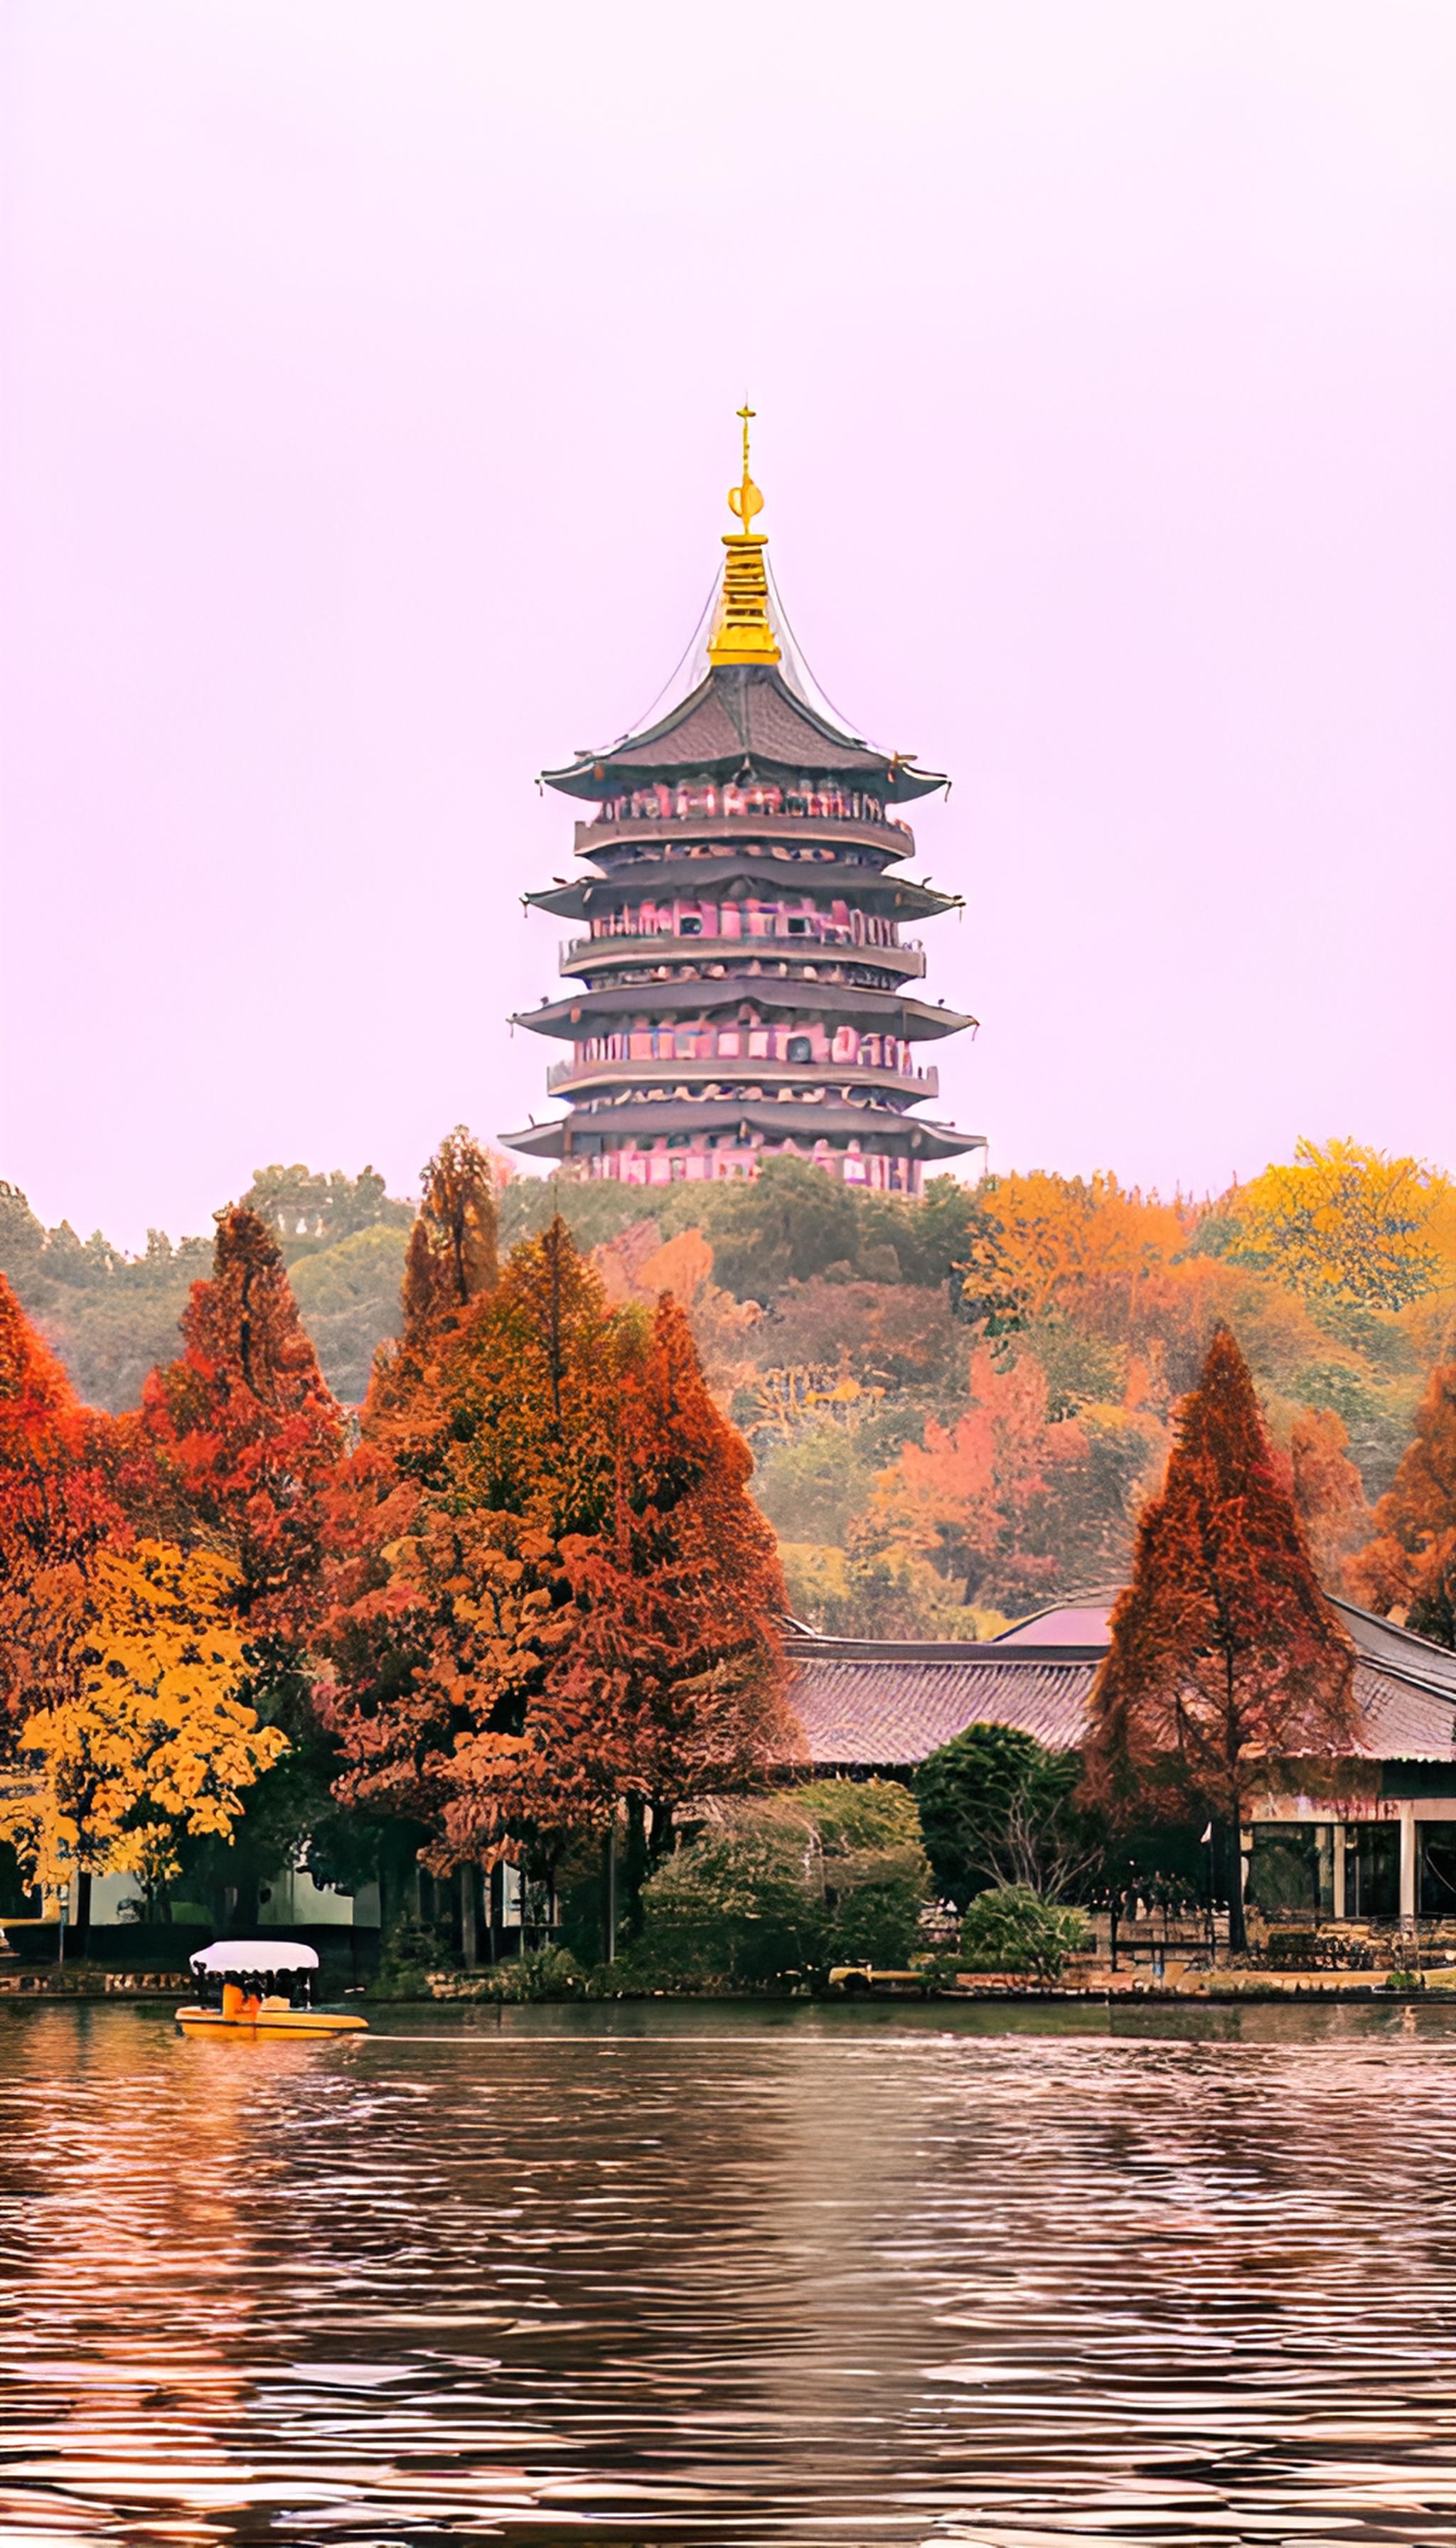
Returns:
<point x="742" y="986"/>
<point x="1376" y="1836"/>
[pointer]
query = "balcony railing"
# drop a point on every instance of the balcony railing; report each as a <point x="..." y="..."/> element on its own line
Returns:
<point x="892" y="837"/>
<point x="609" y="1071"/>
<point x="830" y="934"/>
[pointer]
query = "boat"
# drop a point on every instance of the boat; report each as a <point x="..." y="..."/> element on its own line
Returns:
<point x="260" y="1986"/>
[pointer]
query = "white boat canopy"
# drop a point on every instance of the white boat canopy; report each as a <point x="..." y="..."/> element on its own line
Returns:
<point x="254" y="1956"/>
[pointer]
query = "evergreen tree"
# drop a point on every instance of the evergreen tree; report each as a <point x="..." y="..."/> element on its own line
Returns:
<point x="671" y="1682"/>
<point x="1225" y="1660"/>
<point x="238" y="1445"/>
<point x="55" y="1509"/>
<point x="239" y="1437"/>
<point x="576" y="1601"/>
<point x="1409" y="1566"/>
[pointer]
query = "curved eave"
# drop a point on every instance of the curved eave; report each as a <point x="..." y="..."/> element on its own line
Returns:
<point x="602" y="776"/>
<point x="868" y="886"/>
<point x="889" y="1011"/>
<point x="739" y="714"/>
<point x="878" y="1129"/>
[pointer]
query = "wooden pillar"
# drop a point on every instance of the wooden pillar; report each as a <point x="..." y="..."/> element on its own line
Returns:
<point x="1339" y="1837"/>
<point x="1409" y="1862"/>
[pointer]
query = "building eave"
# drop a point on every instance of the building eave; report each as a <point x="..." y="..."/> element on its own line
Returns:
<point x="741" y="715"/>
<point x="877" y="1128"/>
<point x="889" y="1011"/>
<point x="873" y="888"/>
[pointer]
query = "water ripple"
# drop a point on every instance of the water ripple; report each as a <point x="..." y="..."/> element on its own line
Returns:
<point x="691" y="2278"/>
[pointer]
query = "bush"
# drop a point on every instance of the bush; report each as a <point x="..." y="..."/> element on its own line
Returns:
<point x="1011" y="1930"/>
<point x="549" y="1973"/>
<point x="412" y="1951"/>
<point x="879" y="1924"/>
<point x="786" y="1885"/>
<point x="735" y="1905"/>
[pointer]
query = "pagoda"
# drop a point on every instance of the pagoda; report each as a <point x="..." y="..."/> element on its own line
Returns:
<point x="741" y="989"/>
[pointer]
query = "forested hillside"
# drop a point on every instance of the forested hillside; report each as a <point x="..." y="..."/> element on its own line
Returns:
<point x="956" y="1407"/>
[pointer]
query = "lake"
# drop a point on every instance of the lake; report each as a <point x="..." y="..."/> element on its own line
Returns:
<point x="662" y="2274"/>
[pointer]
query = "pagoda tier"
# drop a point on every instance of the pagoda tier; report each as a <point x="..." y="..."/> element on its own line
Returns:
<point x="742" y="989"/>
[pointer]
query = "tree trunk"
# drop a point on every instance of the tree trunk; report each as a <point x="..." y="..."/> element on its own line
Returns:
<point x="610" y="1894"/>
<point x="634" y="1868"/>
<point x="495" y="1907"/>
<point x="82" y="1940"/>
<point x="1231" y="1857"/>
<point x="466" y="1918"/>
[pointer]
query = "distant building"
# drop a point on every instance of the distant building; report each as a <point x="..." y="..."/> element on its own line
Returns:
<point x="741" y="986"/>
<point x="1375" y="1838"/>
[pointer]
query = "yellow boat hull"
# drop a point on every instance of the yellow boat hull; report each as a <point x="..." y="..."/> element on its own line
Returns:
<point x="271" y="2021"/>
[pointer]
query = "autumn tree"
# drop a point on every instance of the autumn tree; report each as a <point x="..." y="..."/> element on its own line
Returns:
<point x="575" y="1604"/>
<point x="1328" y="1493"/>
<point x="1343" y="1224"/>
<point x="1006" y="1498"/>
<point x="1409" y="1568"/>
<point x="1225" y="1659"/>
<point x="236" y="1447"/>
<point x="452" y="1244"/>
<point x="237" y="1438"/>
<point x="55" y="1510"/>
<point x="138" y="1738"/>
<point x="670" y="1681"/>
<point x="492" y="1444"/>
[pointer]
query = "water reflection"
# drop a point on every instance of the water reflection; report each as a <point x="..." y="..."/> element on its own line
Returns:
<point x="672" y="2275"/>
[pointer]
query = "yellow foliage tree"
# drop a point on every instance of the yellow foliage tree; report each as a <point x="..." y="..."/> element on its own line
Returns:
<point x="1344" y="1223"/>
<point x="137" y="1737"/>
<point x="1049" y="1238"/>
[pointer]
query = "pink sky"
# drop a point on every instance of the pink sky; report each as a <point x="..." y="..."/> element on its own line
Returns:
<point x="369" y="387"/>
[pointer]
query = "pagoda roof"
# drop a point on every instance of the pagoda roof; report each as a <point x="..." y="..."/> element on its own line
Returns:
<point x="741" y="713"/>
<point x="919" y="1021"/>
<point x="879" y="886"/>
<point x="881" y="1127"/>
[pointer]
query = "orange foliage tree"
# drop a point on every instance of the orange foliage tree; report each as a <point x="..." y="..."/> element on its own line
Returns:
<point x="236" y="1447"/>
<point x="1225" y="1660"/>
<point x="573" y="1605"/>
<point x="1408" y="1567"/>
<point x="238" y="1438"/>
<point x="55" y="1509"/>
<point x="1328" y="1493"/>
<point x="1005" y="1498"/>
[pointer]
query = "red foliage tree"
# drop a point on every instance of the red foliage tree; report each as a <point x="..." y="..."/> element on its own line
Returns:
<point x="54" y="1503"/>
<point x="1409" y="1566"/>
<point x="490" y="1444"/>
<point x="1225" y="1660"/>
<point x="577" y="1600"/>
<point x="237" y="1446"/>
<point x="238" y="1439"/>
<point x="668" y="1678"/>
<point x="1328" y="1491"/>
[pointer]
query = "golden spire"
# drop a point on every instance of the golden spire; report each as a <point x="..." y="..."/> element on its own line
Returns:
<point x="742" y="633"/>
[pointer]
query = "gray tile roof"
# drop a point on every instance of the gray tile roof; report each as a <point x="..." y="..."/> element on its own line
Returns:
<point x="880" y="1704"/>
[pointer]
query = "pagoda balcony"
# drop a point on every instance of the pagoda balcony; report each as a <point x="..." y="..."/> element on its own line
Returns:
<point x="585" y="957"/>
<point x="725" y="1073"/>
<point x="892" y="838"/>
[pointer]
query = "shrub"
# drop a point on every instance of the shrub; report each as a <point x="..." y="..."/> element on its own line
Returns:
<point x="736" y="1905"/>
<point x="1008" y="1929"/>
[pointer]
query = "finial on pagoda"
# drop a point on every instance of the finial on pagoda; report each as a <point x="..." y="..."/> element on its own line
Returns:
<point x="742" y="633"/>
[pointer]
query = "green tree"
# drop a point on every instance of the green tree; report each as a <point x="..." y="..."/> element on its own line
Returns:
<point x="999" y="1809"/>
<point x="1011" y="1930"/>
